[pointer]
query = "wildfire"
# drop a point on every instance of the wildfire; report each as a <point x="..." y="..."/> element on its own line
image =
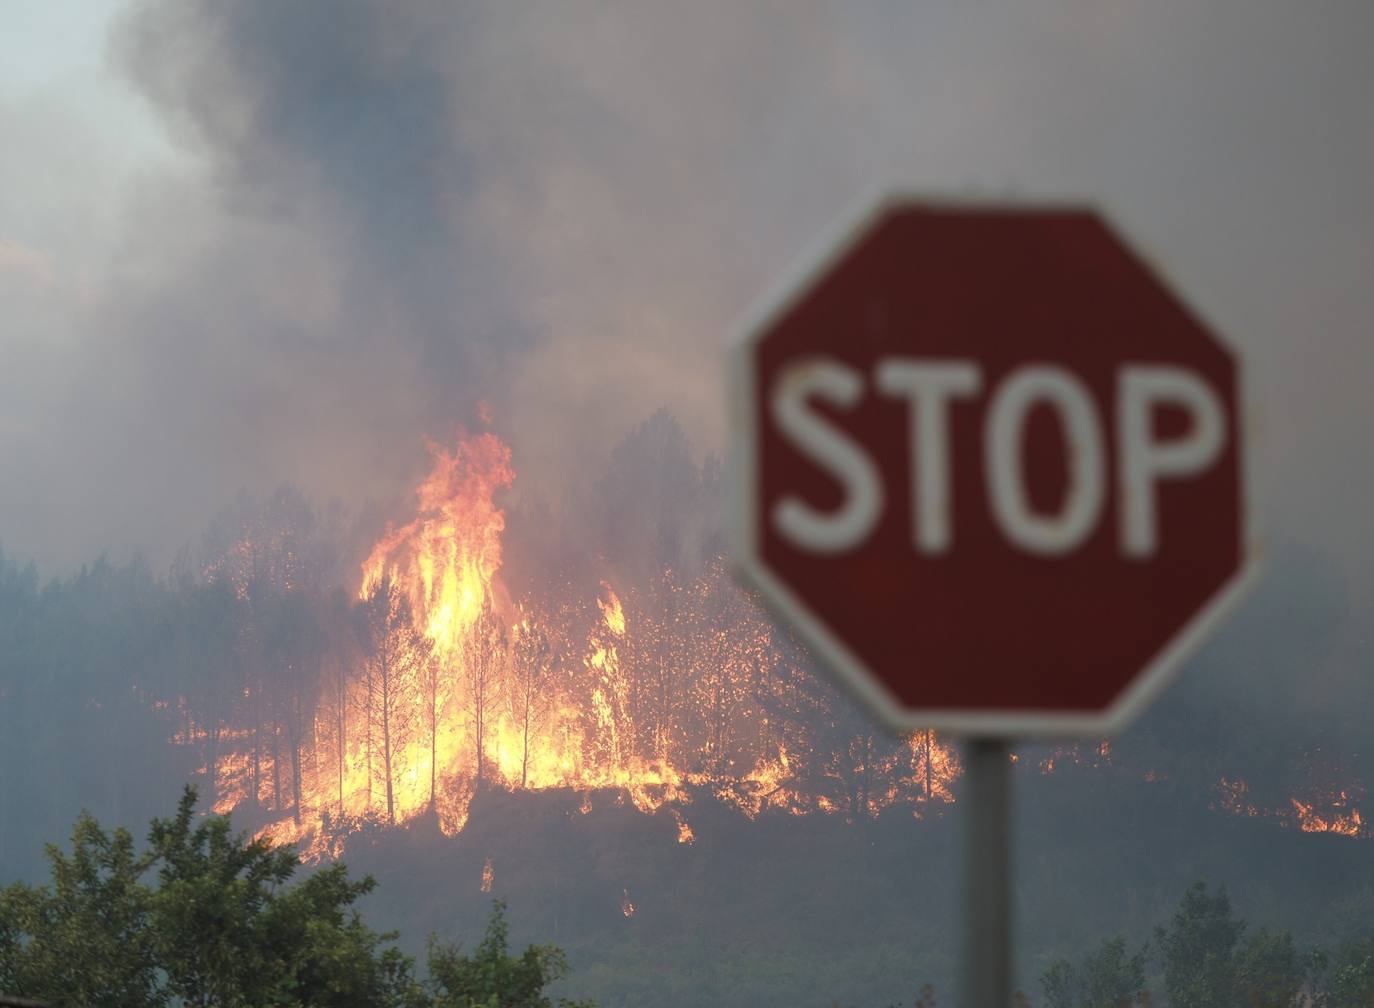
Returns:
<point x="684" y="831"/>
<point x="444" y="560"/>
<point x="1334" y="813"/>
<point x="1234" y="797"/>
<point x="626" y="907"/>
<point x="1098" y="755"/>
<point x="438" y="685"/>
<point x="612" y="612"/>
<point x="1345" y="823"/>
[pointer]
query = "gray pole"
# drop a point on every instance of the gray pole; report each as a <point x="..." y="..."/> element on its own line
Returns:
<point x="987" y="937"/>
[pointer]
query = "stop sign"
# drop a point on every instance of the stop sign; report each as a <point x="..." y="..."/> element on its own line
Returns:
<point x="989" y="466"/>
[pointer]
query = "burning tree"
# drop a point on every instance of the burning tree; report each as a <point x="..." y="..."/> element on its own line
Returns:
<point x="399" y="653"/>
<point x="730" y="647"/>
<point x="345" y="649"/>
<point x="485" y="656"/>
<point x="610" y="722"/>
<point x="534" y="663"/>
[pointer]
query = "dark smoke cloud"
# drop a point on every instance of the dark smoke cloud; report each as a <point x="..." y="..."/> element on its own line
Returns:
<point x="350" y="294"/>
<point x="300" y="303"/>
<point x="384" y="213"/>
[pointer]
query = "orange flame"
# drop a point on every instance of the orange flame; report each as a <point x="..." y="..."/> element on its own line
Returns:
<point x="446" y="557"/>
<point x="1345" y="823"/>
<point x="684" y="831"/>
<point x="1333" y="813"/>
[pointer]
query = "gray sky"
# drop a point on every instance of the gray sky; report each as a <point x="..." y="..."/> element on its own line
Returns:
<point x="240" y="245"/>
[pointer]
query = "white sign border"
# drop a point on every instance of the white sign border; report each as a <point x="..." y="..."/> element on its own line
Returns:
<point x="796" y="282"/>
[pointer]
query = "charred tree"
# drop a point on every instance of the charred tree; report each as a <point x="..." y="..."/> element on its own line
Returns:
<point x="398" y="653"/>
<point x="534" y="664"/>
<point x="338" y="687"/>
<point x="429" y="674"/>
<point x="486" y="656"/>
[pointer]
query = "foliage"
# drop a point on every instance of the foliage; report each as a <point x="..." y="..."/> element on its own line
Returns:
<point x="1197" y="950"/>
<point x="1271" y="971"/>
<point x="1351" y="980"/>
<point x="225" y="926"/>
<point x="1105" y="978"/>
<point x="230" y="932"/>
<point x="86" y="939"/>
<point x="491" y="977"/>
<point x="1207" y="962"/>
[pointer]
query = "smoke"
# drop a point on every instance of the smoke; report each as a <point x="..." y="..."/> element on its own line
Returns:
<point x="381" y="215"/>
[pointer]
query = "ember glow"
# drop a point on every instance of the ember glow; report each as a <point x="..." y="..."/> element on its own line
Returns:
<point x="1340" y="818"/>
<point x="1324" y="810"/>
<point x="1098" y="754"/>
<point x="437" y="684"/>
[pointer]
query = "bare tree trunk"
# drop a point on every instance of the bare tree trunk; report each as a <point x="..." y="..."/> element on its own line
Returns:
<point x="478" y="687"/>
<point x="488" y="648"/>
<point x="276" y="768"/>
<point x="295" y="741"/>
<point x="636" y="741"/>
<point x="865" y="783"/>
<point x="257" y="741"/>
<point x="718" y="716"/>
<point x="386" y="737"/>
<point x="480" y="698"/>
<point x="341" y="740"/>
<point x="525" y="753"/>
<point x="367" y="735"/>
<point x="661" y="742"/>
<point x="927" y="766"/>
<point x="433" y="733"/>
<point x="212" y="759"/>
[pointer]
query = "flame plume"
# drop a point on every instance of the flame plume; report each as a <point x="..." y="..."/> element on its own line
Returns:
<point x="446" y="557"/>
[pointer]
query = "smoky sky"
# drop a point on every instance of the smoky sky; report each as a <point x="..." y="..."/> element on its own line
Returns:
<point x="375" y="216"/>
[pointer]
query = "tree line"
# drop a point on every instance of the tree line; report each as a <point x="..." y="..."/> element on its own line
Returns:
<point x="265" y="672"/>
<point x="1206" y="956"/>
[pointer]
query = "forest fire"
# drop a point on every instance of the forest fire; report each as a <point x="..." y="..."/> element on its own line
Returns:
<point x="1346" y="823"/>
<point x="434" y="684"/>
<point x="1323" y="813"/>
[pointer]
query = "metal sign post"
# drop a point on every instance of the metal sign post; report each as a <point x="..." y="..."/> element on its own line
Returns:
<point x="987" y="927"/>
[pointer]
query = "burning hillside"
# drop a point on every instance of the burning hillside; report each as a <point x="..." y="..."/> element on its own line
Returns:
<point x="430" y="682"/>
<point x="433" y="683"/>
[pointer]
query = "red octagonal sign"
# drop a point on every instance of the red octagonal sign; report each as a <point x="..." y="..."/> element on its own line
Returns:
<point x="990" y="466"/>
